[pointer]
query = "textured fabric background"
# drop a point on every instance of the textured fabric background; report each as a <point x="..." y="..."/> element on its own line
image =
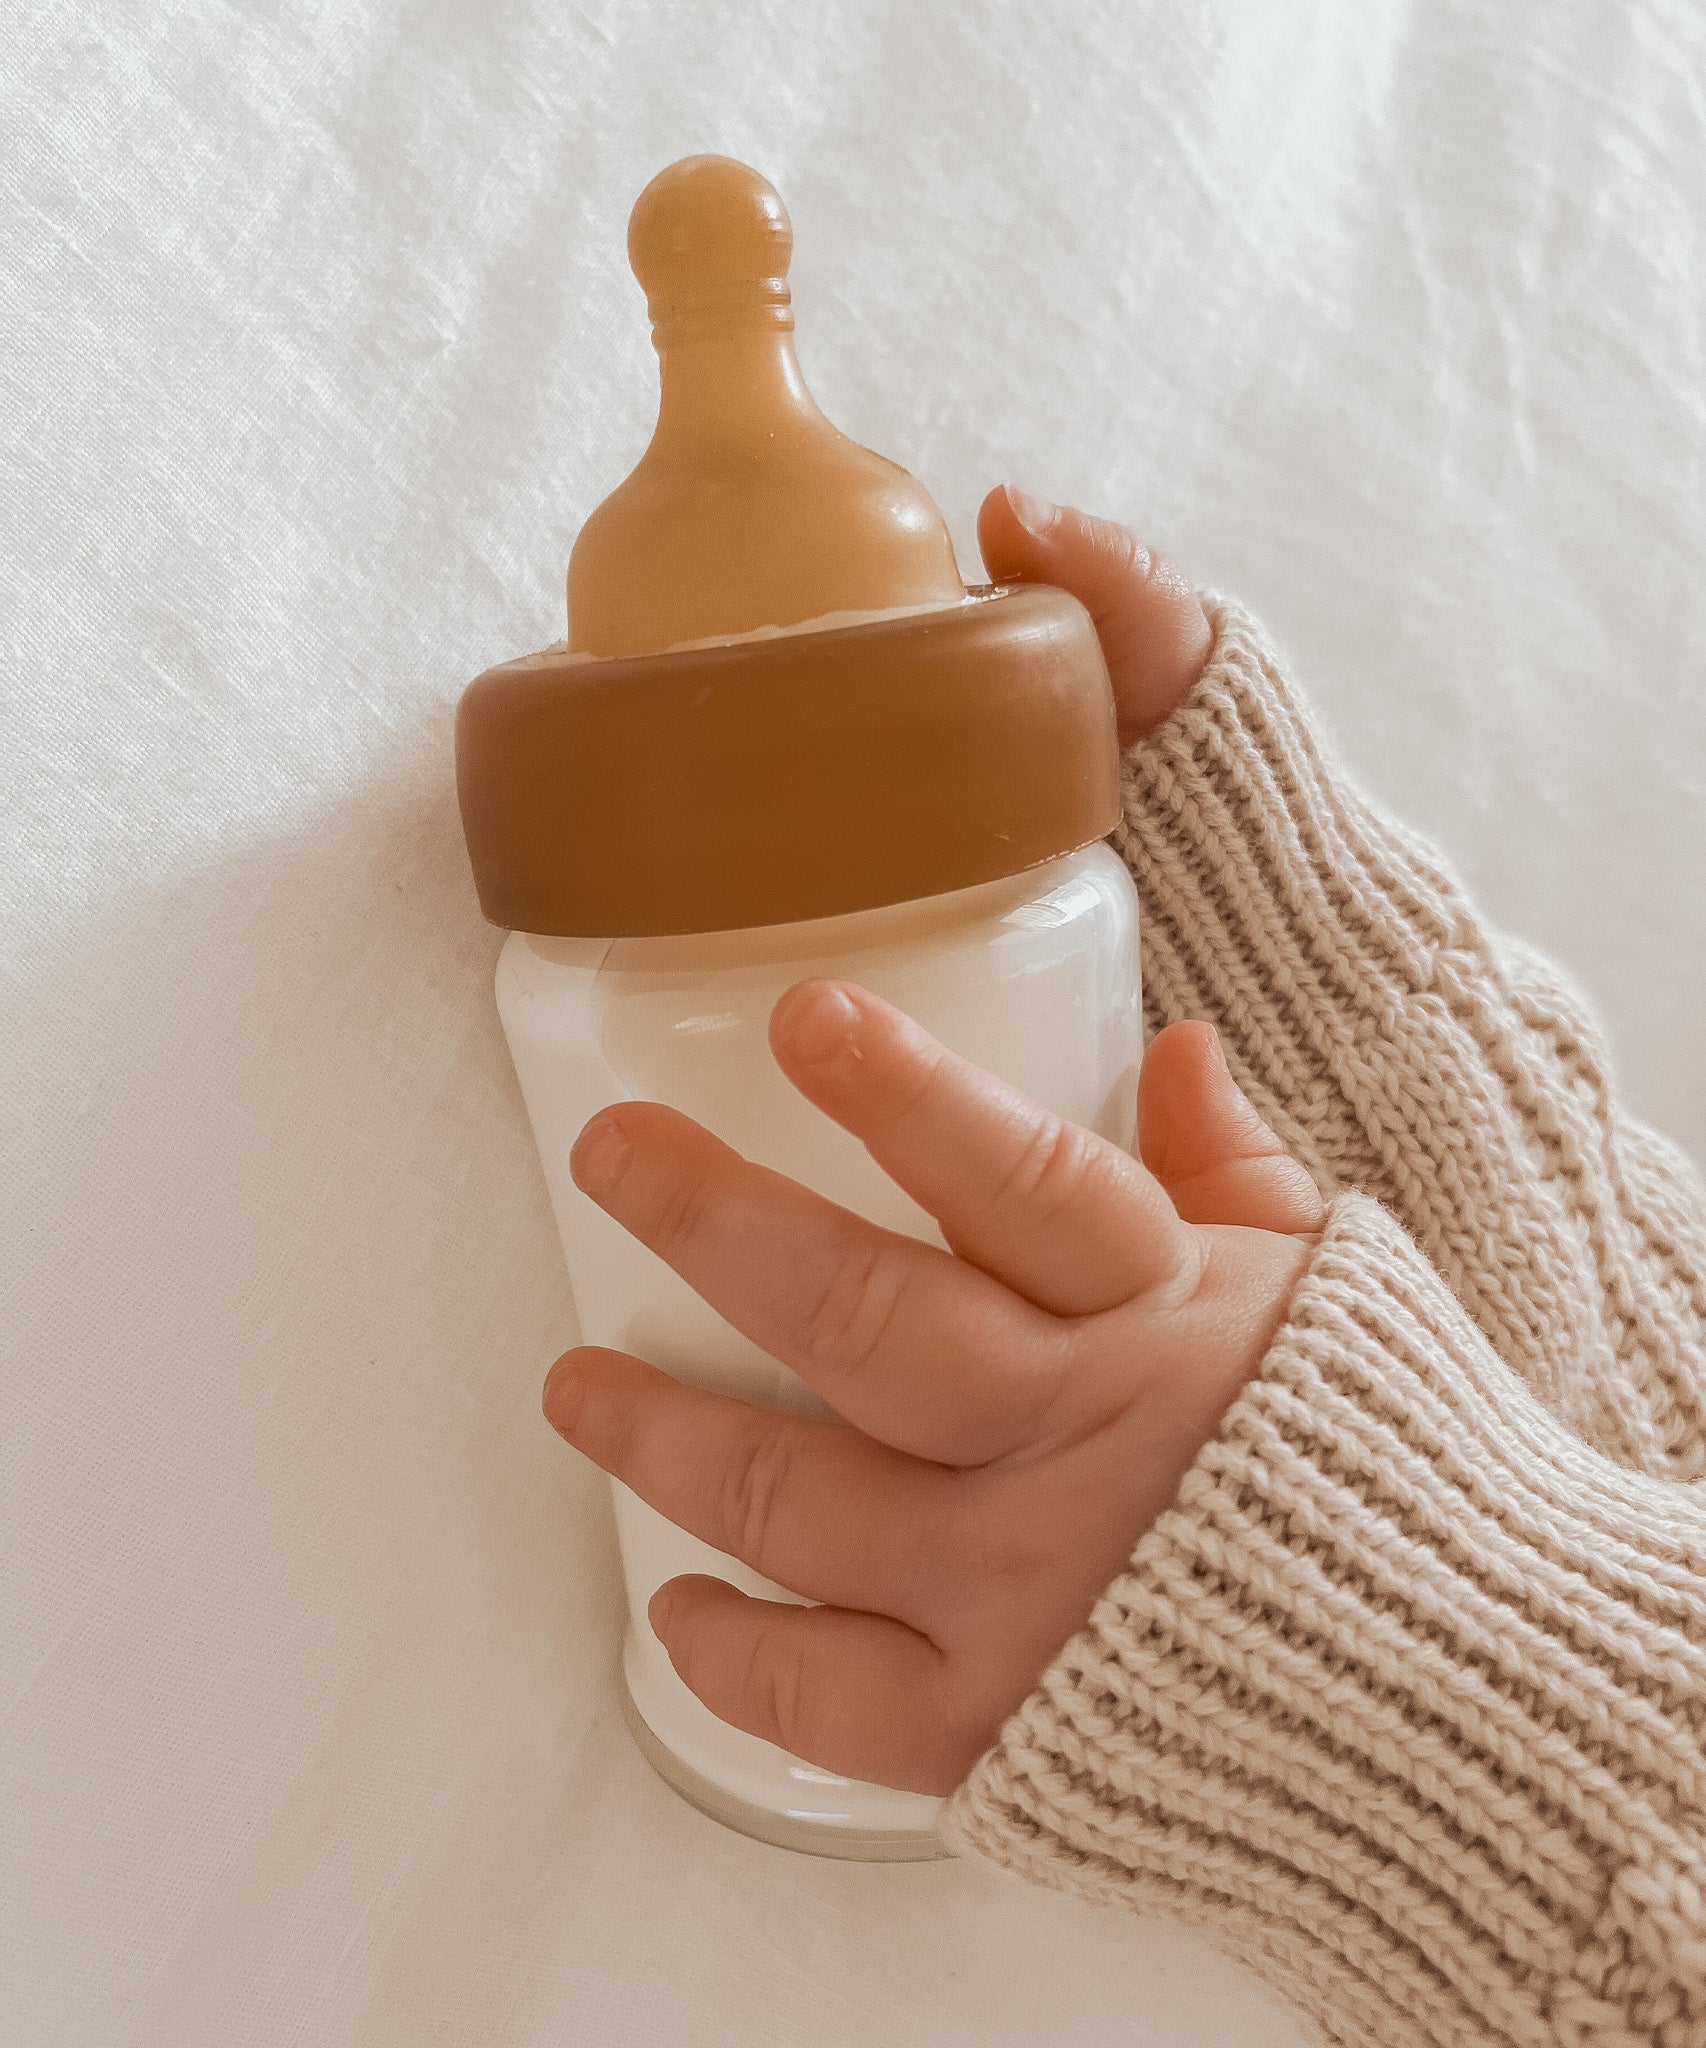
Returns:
<point x="318" y="344"/>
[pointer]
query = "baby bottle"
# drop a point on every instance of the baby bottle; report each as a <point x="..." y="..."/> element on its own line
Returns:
<point x="782" y="740"/>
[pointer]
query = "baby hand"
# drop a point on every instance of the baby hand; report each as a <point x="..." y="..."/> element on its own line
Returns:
<point x="1154" y="633"/>
<point x="1011" y="1414"/>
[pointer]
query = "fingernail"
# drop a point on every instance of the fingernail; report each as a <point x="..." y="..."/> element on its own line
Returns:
<point x="601" y="1154"/>
<point x="658" y="1609"/>
<point x="1036" y="515"/>
<point x="825" y="1025"/>
<point x="564" y="1391"/>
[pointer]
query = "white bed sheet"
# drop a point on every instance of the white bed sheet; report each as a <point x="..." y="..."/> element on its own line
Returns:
<point x="319" y="344"/>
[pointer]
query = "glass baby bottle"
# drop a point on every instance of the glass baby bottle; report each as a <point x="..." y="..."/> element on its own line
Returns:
<point x="783" y="740"/>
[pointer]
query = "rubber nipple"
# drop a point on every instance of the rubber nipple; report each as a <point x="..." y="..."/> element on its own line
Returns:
<point x="748" y="508"/>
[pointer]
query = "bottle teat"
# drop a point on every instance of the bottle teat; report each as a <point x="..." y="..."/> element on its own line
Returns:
<point x="748" y="508"/>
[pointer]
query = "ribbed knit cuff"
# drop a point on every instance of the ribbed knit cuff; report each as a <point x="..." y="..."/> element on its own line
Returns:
<point x="1403" y="1701"/>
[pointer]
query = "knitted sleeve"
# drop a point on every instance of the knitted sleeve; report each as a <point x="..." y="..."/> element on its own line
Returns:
<point x="1403" y="1702"/>
<point x="1398" y="1047"/>
<point x="1404" y="1699"/>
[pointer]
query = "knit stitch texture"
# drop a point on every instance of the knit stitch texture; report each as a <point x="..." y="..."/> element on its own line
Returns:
<point x="1404" y="1700"/>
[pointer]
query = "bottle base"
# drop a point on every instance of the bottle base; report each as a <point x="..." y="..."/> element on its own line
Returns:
<point x="802" y="1832"/>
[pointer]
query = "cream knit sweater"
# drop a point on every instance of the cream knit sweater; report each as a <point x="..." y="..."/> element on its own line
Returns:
<point x="1404" y="1701"/>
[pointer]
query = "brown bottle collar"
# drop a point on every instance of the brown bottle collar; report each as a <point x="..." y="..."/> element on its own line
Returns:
<point x="803" y="776"/>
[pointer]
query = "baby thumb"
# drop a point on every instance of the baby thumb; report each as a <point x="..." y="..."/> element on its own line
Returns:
<point x="1154" y="633"/>
<point x="1204" y="1142"/>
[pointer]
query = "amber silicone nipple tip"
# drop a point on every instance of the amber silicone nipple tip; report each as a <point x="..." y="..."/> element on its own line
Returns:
<point x="710" y="229"/>
<point x="749" y="509"/>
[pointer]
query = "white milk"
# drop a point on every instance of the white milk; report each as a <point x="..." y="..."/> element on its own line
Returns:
<point x="1034" y="977"/>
